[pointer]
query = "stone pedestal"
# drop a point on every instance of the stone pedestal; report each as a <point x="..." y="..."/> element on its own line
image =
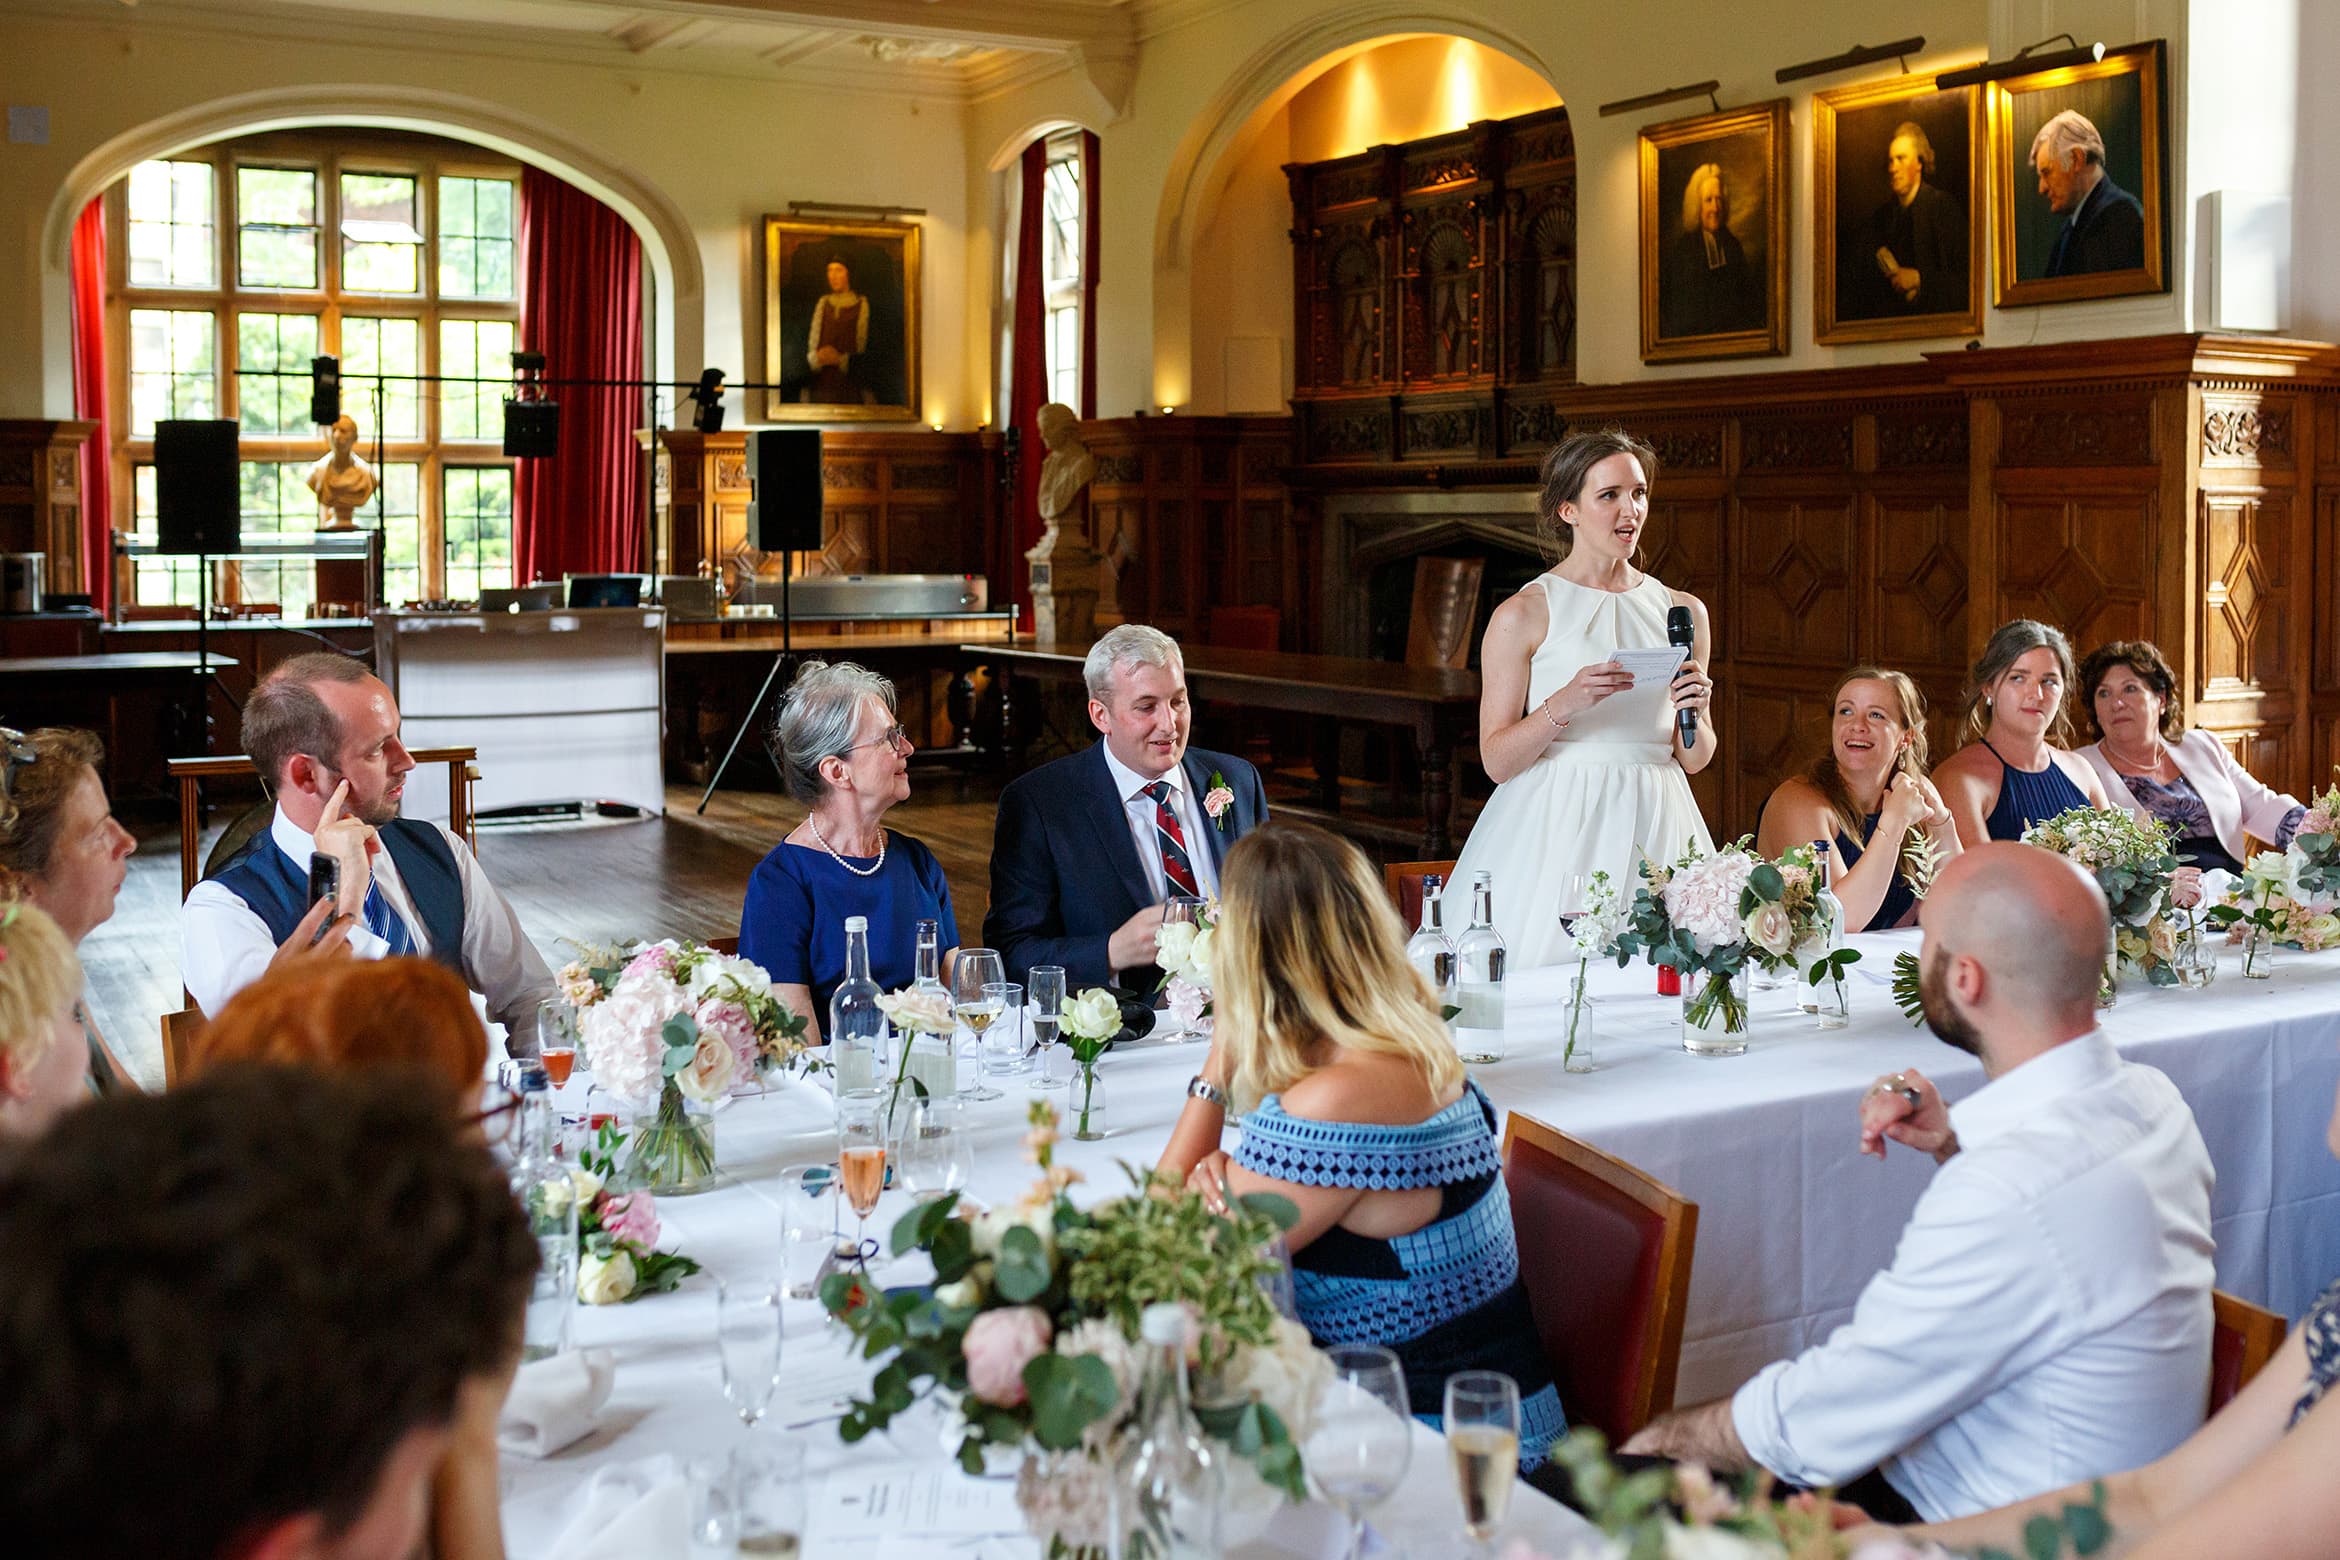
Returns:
<point x="1065" y="571"/>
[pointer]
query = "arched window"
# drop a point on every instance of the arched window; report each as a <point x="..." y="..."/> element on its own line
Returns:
<point x="1062" y="198"/>
<point x="243" y="260"/>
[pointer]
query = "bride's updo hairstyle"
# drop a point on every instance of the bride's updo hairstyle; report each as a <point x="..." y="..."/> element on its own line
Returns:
<point x="1308" y="950"/>
<point x="1564" y="474"/>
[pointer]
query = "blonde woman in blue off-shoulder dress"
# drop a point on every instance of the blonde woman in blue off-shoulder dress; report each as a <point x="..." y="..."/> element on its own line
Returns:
<point x="1581" y="785"/>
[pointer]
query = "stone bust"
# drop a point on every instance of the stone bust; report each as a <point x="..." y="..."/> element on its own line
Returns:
<point x="1069" y="465"/>
<point x="342" y="481"/>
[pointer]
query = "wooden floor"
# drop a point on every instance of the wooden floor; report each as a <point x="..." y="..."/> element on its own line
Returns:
<point x="680" y="875"/>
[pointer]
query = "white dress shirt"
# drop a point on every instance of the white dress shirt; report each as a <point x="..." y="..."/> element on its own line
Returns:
<point x="224" y="946"/>
<point x="1139" y="809"/>
<point x="2046" y="1319"/>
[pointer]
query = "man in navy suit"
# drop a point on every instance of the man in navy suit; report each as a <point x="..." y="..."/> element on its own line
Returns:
<point x="2104" y="226"/>
<point x="1091" y="846"/>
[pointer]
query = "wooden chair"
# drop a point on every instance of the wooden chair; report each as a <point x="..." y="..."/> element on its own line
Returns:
<point x="2244" y="1339"/>
<point x="112" y="1073"/>
<point x="1403" y="879"/>
<point x="1605" y="1252"/>
<point x="462" y="773"/>
<point x="178" y="1042"/>
<point x="1446" y="609"/>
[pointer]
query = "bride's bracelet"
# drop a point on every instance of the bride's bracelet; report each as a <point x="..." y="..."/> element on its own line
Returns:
<point x="1546" y="706"/>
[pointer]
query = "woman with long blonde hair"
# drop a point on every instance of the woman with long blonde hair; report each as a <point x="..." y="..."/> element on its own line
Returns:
<point x="1354" y="1106"/>
<point x="1867" y="792"/>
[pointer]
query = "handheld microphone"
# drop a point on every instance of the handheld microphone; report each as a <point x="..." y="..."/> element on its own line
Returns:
<point x="1680" y="631"/>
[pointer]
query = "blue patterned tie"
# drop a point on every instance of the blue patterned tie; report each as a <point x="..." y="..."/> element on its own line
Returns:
<point x="384" y="922"/>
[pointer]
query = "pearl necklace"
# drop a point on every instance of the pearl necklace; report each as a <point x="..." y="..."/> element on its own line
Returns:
<point x="871" y="870"/>
<point x="2150" y="771"/>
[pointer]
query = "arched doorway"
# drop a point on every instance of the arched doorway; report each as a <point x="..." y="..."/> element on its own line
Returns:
<point x="1320" y="92"/>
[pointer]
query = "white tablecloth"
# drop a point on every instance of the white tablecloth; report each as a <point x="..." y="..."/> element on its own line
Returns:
<point x="1792" y="1222"/>
<point x="668" y="1395"/>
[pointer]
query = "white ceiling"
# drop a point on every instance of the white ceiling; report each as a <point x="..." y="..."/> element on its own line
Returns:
<point x="960" y="46"/>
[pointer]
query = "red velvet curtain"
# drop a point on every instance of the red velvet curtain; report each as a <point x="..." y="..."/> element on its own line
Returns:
<point x="1092" y="229"/>
<point x="581" y="306"/>
<point x="89" y="401"/>
<point x="1029" y="380"/>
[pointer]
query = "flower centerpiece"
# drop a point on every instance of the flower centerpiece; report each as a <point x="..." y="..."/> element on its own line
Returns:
<point x="1712" y="916"/>
<point x="672" y="1027"/>
<point x="1030" y="1336"/>
<point x="2288" y="897"/>
<point x="915" y="1011"/>
<point x="1184" y="953"/>
<point x="617" y="1233"/>
<point x="2130" y="859"/>
<point x="1088" y="1024"/>
<point x="1683" y="1511"/>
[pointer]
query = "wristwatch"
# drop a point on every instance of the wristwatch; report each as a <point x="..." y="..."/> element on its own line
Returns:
<point x="1202" y="1088"/>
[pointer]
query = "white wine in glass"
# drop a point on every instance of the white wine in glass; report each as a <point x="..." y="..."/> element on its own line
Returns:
<point x="1482" y="1441"/>
<point x="974" y="969"/>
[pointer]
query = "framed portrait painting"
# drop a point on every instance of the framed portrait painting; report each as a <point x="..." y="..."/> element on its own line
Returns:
<point x="1714" y="236"/>
<point x="1897" y="248"/>
<point x="2079" y="171"/>
<point x="840" y="321"/>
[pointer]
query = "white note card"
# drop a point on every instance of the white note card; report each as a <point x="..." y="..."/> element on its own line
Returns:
<point x="873" y="1510"/>
<point x="1653" y="676"/>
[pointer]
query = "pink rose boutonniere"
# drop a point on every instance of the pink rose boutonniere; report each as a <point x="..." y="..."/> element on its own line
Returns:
<point x="1217" y="800"/>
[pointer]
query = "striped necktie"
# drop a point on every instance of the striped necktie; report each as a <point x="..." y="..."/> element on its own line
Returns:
<point x="1177" y="866"/>
<point x="385" y="922"/>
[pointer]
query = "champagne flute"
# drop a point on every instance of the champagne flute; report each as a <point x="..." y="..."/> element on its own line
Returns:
<point x="1482" y="1440"/>
<point x="1044" y="1002"/>
<point x="1364" y="1434"/>
<point x="861" y="1163"/>
<point x="556" y="1040"/>
<point x="977" y="968"/>
<point x="747" y="1340"/>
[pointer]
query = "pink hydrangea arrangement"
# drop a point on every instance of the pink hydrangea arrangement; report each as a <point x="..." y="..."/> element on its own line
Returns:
<point x="1712" y="914"/>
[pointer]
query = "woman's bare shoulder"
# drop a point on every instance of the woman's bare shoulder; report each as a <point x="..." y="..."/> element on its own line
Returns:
<point x="1366" y="1087"/>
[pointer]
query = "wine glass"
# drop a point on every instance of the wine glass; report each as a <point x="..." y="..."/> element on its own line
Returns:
<point x="1044" y="1005"/>
<point x="1003" y="1045"/>
<point x="747" y="1339"/>
<point x="556" y="1040"/>
<point x="977" y="968"/>
<point x="1482" y="1441"/>
<point x="1364" y="1434"/>
<point x="861" y="1163"/>
<point x="936" y="1160"/>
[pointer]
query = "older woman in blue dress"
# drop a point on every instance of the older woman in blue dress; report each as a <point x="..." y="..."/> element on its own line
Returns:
<point x="2151" y="764"/>
<point x="2015" y="773"/>
<point x="844" y="755"/>
<point x="1353" y="1104"/>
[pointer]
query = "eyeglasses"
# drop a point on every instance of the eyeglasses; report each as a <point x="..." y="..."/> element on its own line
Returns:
<point x="892" y="736"/>
<point x="498" y="1118"/>
<point x="16" y="751"/>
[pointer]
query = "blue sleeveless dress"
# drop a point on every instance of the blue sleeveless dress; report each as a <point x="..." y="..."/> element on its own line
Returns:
<point x="1447" y="1297"/>
<point x="1898" y="898"/>
<point x="2026" y="798"/>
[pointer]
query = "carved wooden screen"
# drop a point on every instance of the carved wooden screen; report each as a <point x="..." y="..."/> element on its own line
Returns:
<point x="1443" y="266"/>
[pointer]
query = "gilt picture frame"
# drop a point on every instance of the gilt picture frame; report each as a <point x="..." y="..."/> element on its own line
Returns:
<point x="1714" y="254"/>
<point x="841" y="321"/>
<point x="1898" y="224"/>
<point x="2108" y="242"/>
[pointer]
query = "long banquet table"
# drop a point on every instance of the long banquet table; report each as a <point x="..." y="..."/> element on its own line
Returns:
<point x="1793" y="1221"/>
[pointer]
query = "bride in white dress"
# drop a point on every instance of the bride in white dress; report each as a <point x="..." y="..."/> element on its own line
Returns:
<point x="1580" y="786"/>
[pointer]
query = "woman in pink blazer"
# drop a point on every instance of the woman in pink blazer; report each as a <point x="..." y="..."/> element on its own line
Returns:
<point x="2150" y="763"/>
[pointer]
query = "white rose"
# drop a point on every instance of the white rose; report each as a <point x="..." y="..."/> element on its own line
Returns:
<point x="1174" y="948"/>
<point x="966" y="1292"/>
<point x="1093" y="1015"/>
<point x="1770" y="928"/>
<point x="605" y="1280"/>
<point x="585" y="1182"/>
<point x="707" y="1076"/>
<point x="990" y="1227"/>
<point x="1198" y="961"/>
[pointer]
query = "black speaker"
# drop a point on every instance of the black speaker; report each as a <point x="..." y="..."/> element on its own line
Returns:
<point x="532" y="429"/>
<point x="784" y="489"/>
<point x="195" y="501"/>
<point x="324" y="391"/>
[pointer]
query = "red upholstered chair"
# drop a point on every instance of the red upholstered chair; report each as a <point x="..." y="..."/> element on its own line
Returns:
<point x="1403" y="879"/>
<point x="2244" y="1340"/>
<point x="1604" y="1251"/>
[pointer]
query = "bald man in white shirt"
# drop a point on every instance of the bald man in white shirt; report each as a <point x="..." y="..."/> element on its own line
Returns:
<point x="2046" y="1318"/>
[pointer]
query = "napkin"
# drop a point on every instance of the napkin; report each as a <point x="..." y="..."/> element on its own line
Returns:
<point x="634" y="1511"/>
<point x="553" y="1401"/>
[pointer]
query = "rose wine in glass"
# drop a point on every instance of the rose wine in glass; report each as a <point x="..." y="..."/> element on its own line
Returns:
<point x="559" y="1062"/>
<point x="861" y="1162"/>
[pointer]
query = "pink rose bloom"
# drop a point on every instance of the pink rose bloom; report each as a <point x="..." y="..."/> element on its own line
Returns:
<point x="653" y="960"/>
<point x="729" y="1023"/>
<point x="632" y="1218"/>
<point x="1217" y="800"/>
<point x="1188" y="1003"/>
<point x="999" y="1345"/>
<point x="2317" y="821"/>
